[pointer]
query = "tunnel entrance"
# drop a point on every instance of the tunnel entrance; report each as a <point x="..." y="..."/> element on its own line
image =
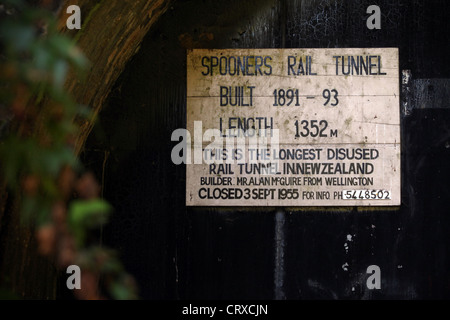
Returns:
<point x="176" y="252"/>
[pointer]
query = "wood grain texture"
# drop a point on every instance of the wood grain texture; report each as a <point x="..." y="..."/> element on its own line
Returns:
<point x="110" y="35"/>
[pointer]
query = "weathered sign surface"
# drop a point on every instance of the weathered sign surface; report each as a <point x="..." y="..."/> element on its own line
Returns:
<point x="293" y="127"/>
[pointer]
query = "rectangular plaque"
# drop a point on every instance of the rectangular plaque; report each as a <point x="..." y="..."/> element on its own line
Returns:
<point x="293" y="127"/>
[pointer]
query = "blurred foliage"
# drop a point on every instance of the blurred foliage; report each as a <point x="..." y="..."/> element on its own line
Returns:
<point x="34" y="63"/>
<point x="37" y="137"/>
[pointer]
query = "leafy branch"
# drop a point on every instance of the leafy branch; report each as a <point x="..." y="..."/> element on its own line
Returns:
<point x="37" y="138"/>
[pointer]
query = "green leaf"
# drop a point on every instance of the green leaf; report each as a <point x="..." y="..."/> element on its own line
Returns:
<point x="49" y="187"/>
<point x="18" y="37"/>
<point x="77" y="58"/>
<point x="42" y="57"/>
<point x="112" y="266"/>
<point x="59" y="73"/>
<point x="84" y="112"/>
<point x="50" y="161"/>
<point x="121" y="291"/>
<point x="82" y="210"/>
<point x="85" y="214"/>
<point x="63" y="47"/>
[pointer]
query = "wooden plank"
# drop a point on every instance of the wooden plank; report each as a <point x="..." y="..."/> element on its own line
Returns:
<point x="300" y="127"/>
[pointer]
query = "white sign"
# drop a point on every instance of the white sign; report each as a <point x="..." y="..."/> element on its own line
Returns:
<point x="293" y="127"/>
